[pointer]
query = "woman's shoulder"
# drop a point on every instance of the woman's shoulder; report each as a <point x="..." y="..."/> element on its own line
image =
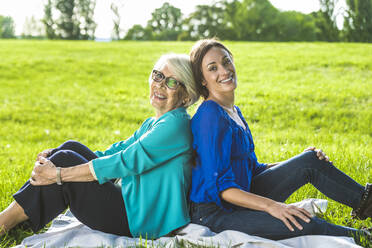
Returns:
<point x="210" y="114"/>
<point x="180" y="113"/>
<point x="176" y="116"/>
<point x="175" y="122"/>
<point x="209" y="108"/>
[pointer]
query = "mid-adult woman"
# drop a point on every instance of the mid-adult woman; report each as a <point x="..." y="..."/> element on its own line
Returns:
<point x="153" y="165"/>
<point x="230" y="189"/>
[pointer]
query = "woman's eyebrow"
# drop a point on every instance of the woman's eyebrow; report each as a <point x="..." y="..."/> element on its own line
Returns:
<point x="211" y="63"/>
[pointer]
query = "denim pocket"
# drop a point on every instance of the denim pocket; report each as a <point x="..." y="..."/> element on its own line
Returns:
<point x="204" y="213"/>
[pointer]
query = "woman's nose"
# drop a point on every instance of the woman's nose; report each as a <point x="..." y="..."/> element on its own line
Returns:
<point x="159" y="84"/>
<point x="225" y="70"/>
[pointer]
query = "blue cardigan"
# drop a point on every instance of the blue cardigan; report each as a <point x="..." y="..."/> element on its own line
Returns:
<point x="154" y="164"/>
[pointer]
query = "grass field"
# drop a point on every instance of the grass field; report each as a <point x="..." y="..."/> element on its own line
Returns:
<point x="292" y="94"/>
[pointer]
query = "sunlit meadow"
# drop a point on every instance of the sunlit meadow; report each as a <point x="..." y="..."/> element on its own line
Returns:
<point x="293" y="95"/>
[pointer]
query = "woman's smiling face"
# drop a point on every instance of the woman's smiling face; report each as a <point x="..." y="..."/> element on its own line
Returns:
<point x="218" y="69"/>
<point x="164" y="99"/>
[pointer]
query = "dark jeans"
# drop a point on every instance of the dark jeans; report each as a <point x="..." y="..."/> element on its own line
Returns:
<point x="278" y="183"/>
<point x="101" y="207"/>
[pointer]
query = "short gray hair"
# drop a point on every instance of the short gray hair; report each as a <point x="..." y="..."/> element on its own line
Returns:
<point x="180" y="66"/>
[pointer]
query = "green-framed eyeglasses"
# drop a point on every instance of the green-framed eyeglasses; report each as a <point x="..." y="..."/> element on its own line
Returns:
<point x="170" y="82"/>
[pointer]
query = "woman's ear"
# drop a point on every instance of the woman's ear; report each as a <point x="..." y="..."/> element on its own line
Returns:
<point x="186" y="100"/>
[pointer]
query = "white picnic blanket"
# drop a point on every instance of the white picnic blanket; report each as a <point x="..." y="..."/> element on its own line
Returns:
<point x="67" y="231"/>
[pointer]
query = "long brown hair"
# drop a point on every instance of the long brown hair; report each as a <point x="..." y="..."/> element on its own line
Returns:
<point x="197" y="54"/>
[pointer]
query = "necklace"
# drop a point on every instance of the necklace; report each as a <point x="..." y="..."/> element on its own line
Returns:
<point x="234" y="115"/>
<point x="229" y="110"/>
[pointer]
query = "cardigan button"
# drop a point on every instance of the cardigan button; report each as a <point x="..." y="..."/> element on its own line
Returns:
<point x="201" y="219"/>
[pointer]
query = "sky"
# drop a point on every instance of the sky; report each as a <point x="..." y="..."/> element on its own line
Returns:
<point x="132" y="11"/>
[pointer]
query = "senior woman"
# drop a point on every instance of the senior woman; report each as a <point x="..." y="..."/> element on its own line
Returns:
<point x="153" y="165"/>
<point x="231" y="189"/>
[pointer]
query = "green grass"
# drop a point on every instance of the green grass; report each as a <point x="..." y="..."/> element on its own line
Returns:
<point x="292" y="94"/>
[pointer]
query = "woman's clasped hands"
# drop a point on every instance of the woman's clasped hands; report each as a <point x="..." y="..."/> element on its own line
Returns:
<point x="44" y="172"/>
<point x="44" y="154"/>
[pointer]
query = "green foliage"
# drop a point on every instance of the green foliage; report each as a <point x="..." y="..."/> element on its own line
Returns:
<point x="246" y="20"/>
<point x="137" y="32"/>
<point x="74" y="22"/>
<point x="358" y="21"/>
<point x="166" y="22"/>
<point x="295" y="26"/>
<point x="6" y="27"/>
<point x="48" y="20"/>
<point x="85" y="21"/>
<point x="206" y="21"/>
<point x="253" y="20"/>
<point x="293" y="95"/>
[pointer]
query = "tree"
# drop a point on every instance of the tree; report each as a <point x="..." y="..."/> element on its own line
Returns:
<point x="231" y="19"/>
<point x="6" y="27"/>
<point x="326" y="21"/>
<point x="253" y="19"/>
<point x="117" y="19"/>
<point x="166" y="22"/>
<point x="295" y="26"/>
<point x="358" y="21"/>
<point x="207" y="21"/>
<point x="32" y="28"/>
<point x="48" y="21"/>
<point x="137" y="32"/>
<point x="74" y="19"/>
<point x="84" y="18"/>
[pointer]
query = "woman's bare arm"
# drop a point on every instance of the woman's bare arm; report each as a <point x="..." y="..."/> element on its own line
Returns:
<point x="282" y="211"/>
<point x="45" y="173"/>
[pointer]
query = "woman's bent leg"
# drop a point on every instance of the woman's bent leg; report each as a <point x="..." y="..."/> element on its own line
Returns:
<point x="76" y="147"/>
<point x="100" y="207"/>
<point x="282" y="180"/>
<point x="262" y="224"/>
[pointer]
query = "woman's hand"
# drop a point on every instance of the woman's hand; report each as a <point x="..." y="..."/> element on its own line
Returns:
<point x="44" y="154"/>
<point x="287" y="214"/>
<point x="321" y="155"/>
<point x="284" y="212"/>
<point x="44" y="172"/>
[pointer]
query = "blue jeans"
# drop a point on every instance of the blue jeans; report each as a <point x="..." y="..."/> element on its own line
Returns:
<point x="101" y="207"/>
<point x="278" y="183"/>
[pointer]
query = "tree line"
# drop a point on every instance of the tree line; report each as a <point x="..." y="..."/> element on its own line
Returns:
<point x="248" y="20"/>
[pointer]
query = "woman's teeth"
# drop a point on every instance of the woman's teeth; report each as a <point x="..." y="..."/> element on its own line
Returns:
<point x="227" y="80"/>
<point x="159" y="96"/>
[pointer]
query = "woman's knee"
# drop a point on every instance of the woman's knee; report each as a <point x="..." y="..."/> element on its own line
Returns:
<point x="309" y="159"/>
<point x="67" y="158"/>
<point x="309" y="155"/>
<point x="70" y="145"/>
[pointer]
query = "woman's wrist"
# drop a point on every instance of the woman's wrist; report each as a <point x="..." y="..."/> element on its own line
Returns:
<point x="268" y="205"/>
<point x="78" y="173"/>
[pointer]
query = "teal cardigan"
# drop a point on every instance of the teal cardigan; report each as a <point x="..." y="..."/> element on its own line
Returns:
<point x="154" y="165"/>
